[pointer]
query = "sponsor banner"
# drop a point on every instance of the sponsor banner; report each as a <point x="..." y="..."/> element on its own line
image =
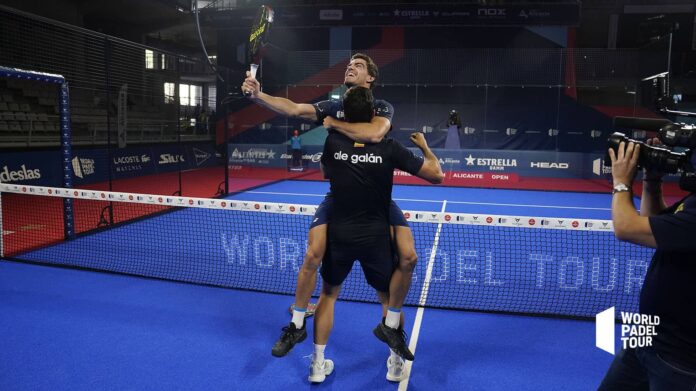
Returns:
<point x="564" y="14"/>
<point x="32" y="168"/>
<point x="522" y="163"/>
<point x="272" y="155"/>
<point x="90" y="165"/>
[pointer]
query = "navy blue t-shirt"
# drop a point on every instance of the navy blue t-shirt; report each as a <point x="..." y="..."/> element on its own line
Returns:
<point x="361" y="177"/>
<point x="669" y="289"/>
<point x="334" y="108"/>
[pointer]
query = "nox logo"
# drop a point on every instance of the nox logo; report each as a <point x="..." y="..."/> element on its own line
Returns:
<point x="491" y="11"/>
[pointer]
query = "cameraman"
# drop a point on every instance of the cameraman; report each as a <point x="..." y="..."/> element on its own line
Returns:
<point x="669" y="289"/>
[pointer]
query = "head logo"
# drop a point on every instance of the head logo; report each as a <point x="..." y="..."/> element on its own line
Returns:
<point x="575" y="224"/>
<point x="257" y="206"/>
<point x="292" y="208"/>
<point x="489" y="219"/>
<point x="223" y="204"/>
<point x="448" y="217"/>
<point x="532" y="221"/>
<point x="407" y="215"/>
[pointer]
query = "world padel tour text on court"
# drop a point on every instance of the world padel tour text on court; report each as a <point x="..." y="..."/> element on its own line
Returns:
<point x="470" y="267"/>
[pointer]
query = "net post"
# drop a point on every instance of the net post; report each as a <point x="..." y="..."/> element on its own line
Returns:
<point x="66" y="151"/>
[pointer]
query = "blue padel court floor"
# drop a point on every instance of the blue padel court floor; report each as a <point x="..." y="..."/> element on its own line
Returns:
<point x="69" y="329"/>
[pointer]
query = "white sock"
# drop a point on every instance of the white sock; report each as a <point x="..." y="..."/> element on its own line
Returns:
<point x="394" y="356"/>
<point x="393" y="317"/>
<point x="298" y="315"/>
<point x="319" y="353"/>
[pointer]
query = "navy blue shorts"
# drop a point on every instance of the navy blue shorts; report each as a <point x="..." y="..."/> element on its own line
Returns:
<point x="376" y="259"/>
<point x="323" y="213"/>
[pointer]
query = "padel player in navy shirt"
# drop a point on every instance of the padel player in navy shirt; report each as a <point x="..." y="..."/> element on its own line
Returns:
<point x="361" y="178"/>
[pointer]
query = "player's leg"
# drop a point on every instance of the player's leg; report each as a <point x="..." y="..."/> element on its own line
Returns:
<point x="334" y="270"/>
<point x="378" y="272"/>
<point x="323" y="324"/>
<point x="403" y="274"/>
<point x="390" y="330"/>
<point x="296" y="332"/>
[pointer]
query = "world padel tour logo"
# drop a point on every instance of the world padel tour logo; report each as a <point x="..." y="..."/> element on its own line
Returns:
<point x="637" y="330"/>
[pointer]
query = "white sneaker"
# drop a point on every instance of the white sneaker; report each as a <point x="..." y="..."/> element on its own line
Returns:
<point x="395" y="369"/>
<point x="319" y="371"/>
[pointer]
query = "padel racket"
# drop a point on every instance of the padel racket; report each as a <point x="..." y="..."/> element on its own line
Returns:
<point x="311" y="307"/>
<point x="257" y="39"/>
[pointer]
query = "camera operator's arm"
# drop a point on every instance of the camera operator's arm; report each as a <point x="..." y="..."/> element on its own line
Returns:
<point x="628" y="224"/>
<point x="652" y="202"/>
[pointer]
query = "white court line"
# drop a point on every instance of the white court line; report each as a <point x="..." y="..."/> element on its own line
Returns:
<point x="403" y="385"/>
<point x="451" y="202"/>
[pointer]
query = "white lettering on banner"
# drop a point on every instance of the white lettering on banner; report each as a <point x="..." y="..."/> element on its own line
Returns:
<point x="22" y="174"/>
<point x="449" y="160"/>
<point x="82" y="167"/>
<point x="335" y="14"/>
<point x="365" y="158"/>
<point x="413" y="14"/>
<point x="560" y="166"/>
<point x="253" y="153"/>
<point x="127" y="160"/>
<point x="497" y="12"/>
<point x="598" y="167"/>
<point x="167" y="158"/>
<point x="492" y="163"/>
<point x="201" y="156"/>
<point x="467" y="175"/>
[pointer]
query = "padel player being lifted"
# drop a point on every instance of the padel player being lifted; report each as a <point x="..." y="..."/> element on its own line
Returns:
<point x="360" y="229"/>
<point x="361" y="71"/>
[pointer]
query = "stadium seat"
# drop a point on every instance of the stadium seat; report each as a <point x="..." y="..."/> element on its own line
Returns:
<point x="20" y="116"/>
<point x="3" y="106"/>
<point x="14" y="126"/>
<point x="13" y="107"/>
<point x="3" y="126"/>
<point x="25" y="107"/>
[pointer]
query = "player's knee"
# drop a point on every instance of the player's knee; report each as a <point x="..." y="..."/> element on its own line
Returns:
<point x="408" y="260"/>
<point x="312" y="259"/>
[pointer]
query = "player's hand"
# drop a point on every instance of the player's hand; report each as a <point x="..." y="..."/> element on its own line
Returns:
<point x="652" y="174"/>
<point x="418" y="138"/>
<point x="329" y="122"/>
<point x="251" y="86"/>
<point x="624" y="163"/>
